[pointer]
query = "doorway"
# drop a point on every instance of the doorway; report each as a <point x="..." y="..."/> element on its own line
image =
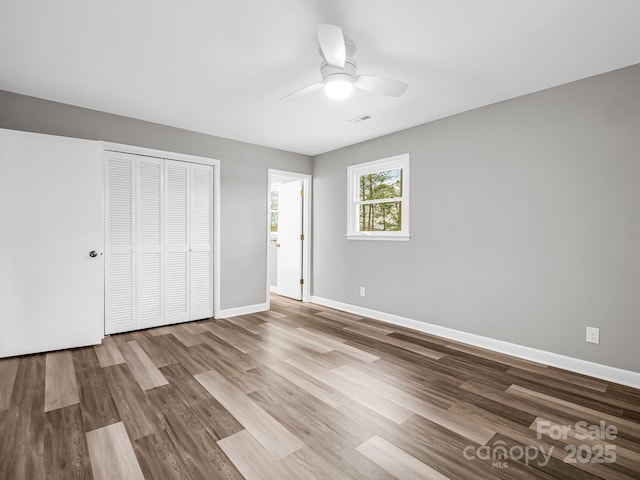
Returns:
<point x="288" y="234"/>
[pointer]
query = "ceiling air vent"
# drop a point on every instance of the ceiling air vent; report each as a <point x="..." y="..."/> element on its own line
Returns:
<point x="361" y="118"/>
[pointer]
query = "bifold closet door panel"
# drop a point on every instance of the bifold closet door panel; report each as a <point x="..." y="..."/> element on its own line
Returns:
<point x="177" y="207"/>
<point x="120" y="265"/>
<point x="201" y="250"/>
<point x="149" y="245"/>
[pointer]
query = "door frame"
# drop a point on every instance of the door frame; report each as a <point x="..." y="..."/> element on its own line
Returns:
<point x="182" y="157"/>
<point x="306" y="231"/>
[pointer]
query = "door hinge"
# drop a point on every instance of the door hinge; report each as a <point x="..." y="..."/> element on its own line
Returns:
<point x="302" y="281"/>
<point x="302" y="193"/>
<point x="302" y="237"/>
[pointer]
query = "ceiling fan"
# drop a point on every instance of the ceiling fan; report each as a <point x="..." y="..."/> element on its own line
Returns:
<point x="338" y="70"/>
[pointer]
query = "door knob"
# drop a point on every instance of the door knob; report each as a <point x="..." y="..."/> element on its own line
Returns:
<point x="93" y="253"/>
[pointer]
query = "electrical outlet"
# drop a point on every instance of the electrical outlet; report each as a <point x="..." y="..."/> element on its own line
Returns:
<point x="362" y="292"/>
<point x="593" y="335"/>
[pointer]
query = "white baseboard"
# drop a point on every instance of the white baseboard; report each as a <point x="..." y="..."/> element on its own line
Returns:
<point x="604" y="372"/>
<point x="273" y="289"/>
<point x="234" y="312"/>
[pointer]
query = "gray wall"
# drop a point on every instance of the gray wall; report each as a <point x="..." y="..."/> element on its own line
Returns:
<point x="243" y="171"/>
<point x="525" y="222"/>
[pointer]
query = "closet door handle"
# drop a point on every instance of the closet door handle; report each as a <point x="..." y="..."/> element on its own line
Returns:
<point x="93" y="254"/>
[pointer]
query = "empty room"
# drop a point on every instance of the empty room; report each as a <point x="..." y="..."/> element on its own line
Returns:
<point x="319" y="239"/>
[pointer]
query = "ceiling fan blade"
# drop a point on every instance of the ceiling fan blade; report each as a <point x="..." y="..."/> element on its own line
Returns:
<point x="381" y="85"/>
<point x="332" y="44"/>
<point x="303" y="91"/>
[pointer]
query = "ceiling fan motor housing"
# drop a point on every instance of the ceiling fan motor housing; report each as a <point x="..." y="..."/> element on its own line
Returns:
<point x="348" y="72"/>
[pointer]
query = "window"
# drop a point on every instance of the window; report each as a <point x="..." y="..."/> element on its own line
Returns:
<point x="378" y="199"/>
<point x="273" y="211"/>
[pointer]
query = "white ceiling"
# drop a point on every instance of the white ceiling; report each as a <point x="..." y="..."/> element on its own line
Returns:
<point x="220" y="66"/>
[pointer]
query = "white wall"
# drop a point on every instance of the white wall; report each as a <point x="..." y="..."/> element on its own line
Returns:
<point x="525" y="222"/>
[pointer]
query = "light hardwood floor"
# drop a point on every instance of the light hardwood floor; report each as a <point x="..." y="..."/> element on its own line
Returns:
<point x="304" y="391"/>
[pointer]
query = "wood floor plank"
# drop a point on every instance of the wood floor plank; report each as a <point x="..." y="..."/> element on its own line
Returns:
<point x="215" y="419"/>
<point x="61" y="389"/>
<point x="142" y="368"/>
<point x="240" y="360"/>
<point x="251" y="323"/>
<point x="474" y="431"/>
<point x="137" y="414"/>
<point x="250" y="457"/>
<point x="295" y="409"/>
<point x="232" y="336"/>
<point x="108" y="353"/>
<point x="194" y="328"/>
<point x="340" y="346"/>
<point x="438" y="447"/>
<point x="339" y="316"/>
<point x="192" y="363"/>
<point x="158" y="458"/>
<point x="396" y="461"/>
<point x="371" y="400"/>
<point x="8" y="370"/>
<point x="190" y="438"/>
<point x="498" y="357"/>
<point x="160" y="357"/>
<point x="242" y="379"/>
<point x="272" y="435"/>
<point x="296" y="337"/>
<point x="66" y="451"/>
<point x="329" y="396"/>
<point x="22" y="428"/>
<point x="368" y="330"/>
<point x="187" y="338"/>
<point x="96" y="400"/>
<point x="410" y="346"/>
<point x="112" y="455"/>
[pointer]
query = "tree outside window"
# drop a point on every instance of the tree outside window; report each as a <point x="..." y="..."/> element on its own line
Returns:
<point x="380" y="201"/>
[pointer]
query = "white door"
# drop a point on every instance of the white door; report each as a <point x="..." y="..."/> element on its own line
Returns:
<point x="290" y="239"/>
<point x="51" y="218"/>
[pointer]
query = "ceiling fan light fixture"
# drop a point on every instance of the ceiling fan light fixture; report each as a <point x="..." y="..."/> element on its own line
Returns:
<point x="338" y="86"/>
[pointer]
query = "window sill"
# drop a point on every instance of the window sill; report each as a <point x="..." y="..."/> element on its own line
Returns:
<point x="392" y="238"/>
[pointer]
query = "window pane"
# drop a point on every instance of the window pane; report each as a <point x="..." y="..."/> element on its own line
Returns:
<point x="379" y="185"/>
<point x="381" y="217"/>
<point x="273" y="207"/>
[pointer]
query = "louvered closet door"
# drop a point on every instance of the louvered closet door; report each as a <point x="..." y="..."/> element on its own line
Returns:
<point x="177" y="180"/>
<point x="149" y="245"/>
<point x="120" y="268"/>
<point x="201" y="251"/>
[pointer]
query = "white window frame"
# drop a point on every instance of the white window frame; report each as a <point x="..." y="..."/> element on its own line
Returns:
<point x="354" y="172"/>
